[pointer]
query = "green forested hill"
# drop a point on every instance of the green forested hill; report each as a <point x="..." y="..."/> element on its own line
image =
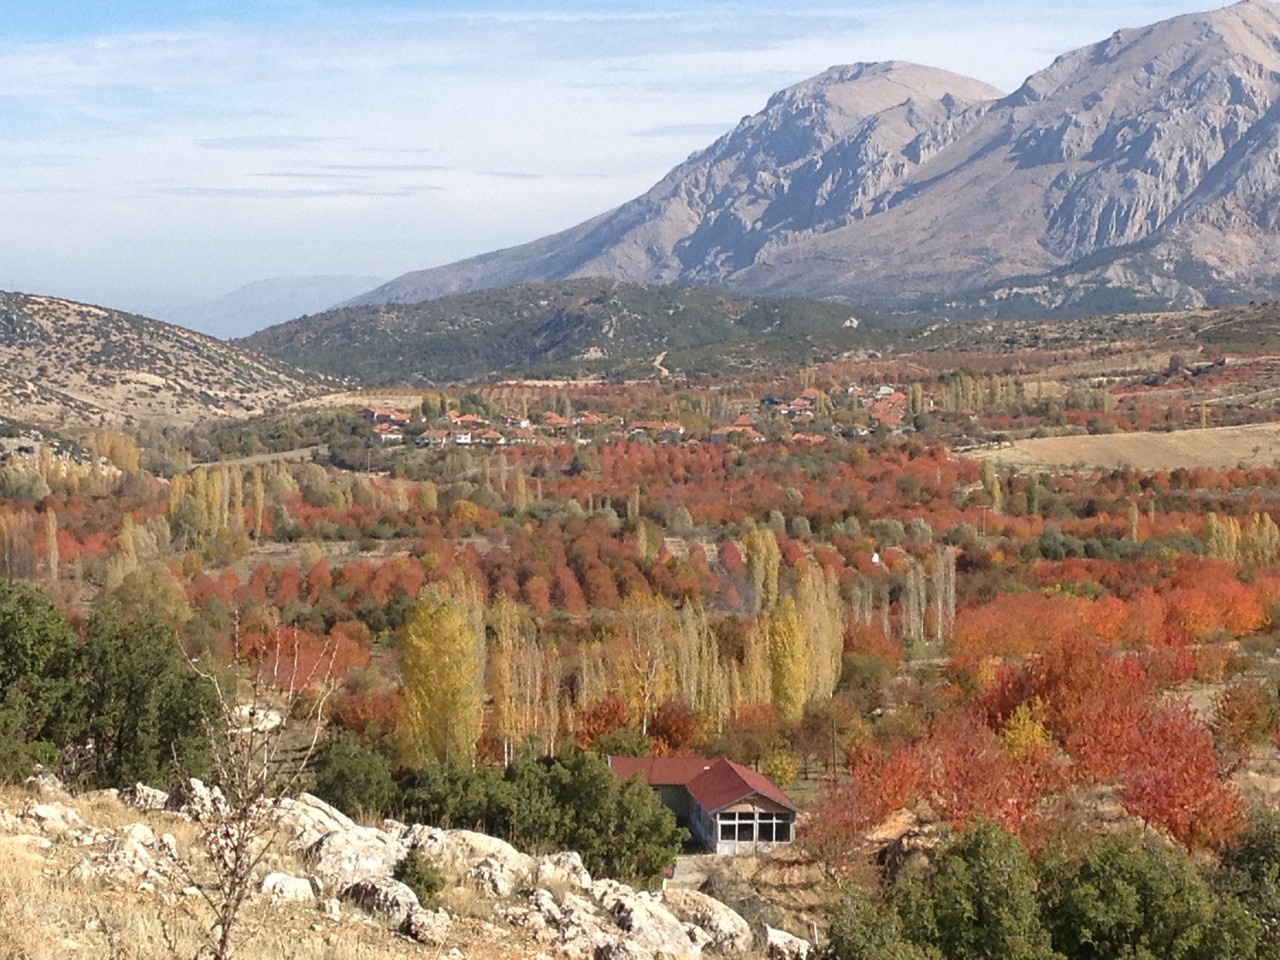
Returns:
<point x="564" y="327"/>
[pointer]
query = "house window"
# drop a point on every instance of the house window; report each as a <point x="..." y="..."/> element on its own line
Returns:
<point x="738" y="826"/>
<point x="774" y="827"/>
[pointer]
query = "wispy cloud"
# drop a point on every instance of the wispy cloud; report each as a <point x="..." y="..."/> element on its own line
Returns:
<point x="288" y="193"/>
<point x="264" y="142"/>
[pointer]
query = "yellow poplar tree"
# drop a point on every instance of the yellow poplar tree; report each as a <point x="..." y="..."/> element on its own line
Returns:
<point x="764" y="561"/>
<point x="51" y="545"/>
<point x="789" y="660"/>
<point x="257" y="500"/>
<point x="442" y="671"/>
<point x="818" y="604"/>
<point x="507" y="622"/>
<point x="755" y="681"/>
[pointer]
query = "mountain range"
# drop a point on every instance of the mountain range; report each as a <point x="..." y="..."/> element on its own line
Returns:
<point x="260" y="304"/>
<point x="1140" y="171"/>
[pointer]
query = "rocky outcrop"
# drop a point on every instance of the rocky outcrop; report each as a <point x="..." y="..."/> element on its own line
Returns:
<point x="561" y="871"/>
<point x="649" y="924"/>
<point x="728" y="934"/>
<point x="345" y="857"/>
<point x="143" y="797"/>
<point x="195" y="799"/>
<point x="780" y="945"/>
<point x="306" y="818"/>
<point x="550" y="902"/>
<point x="391" y="898"/>
<point x="493" y="865"/>
<point x="1144" y="163"/>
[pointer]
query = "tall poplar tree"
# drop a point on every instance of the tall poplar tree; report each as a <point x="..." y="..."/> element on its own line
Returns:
<point x="442" y="668"/>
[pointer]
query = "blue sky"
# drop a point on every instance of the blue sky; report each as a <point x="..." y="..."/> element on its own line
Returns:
<point x="160" y="153"/>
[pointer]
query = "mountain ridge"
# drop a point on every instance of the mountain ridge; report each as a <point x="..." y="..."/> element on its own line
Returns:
<point x="580" y="326"/>
<point x="1144" y="163"/>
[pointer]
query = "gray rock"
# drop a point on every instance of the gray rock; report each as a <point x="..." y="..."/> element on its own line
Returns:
<point x="283" y="886"/>
<point x="496" y="877"/>
<point x="621" y="950"/>
<point x="195" y="799"/>
<point x="53" y="817"/>
<point x="430" y="927"/>
<point x="561" y="870"/>
<point x="648" y="923"/>
<point x="383" y="895"/>
<point x="307" y="818"/>
<point x="727" y="932"/>
<point x="344" y="857"/>
<point x="46" y="786"/>
<point x="495" y="865"/>
<point x="780" y="945"/>
<point x="144" y="797"/>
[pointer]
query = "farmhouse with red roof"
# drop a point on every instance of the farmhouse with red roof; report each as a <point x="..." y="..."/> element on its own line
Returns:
<point x="727" y="807"/>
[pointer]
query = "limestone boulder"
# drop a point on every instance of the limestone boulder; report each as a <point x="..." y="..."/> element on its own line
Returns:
<point x="728" y="933"/>
<point x="647" y="923"/>
<point x="53" y="817"/>
<point x="563" y="871"/>
<point x="284" y="886"/>
<point x="780" y="945"/>
<point x="494" y="864"/>
<point x="430" y="927"/>
<point x="307" y="818"/>
<point x="144" y="797"/>
<point x="383" y="895"/>
<point x="195" y="799"/>
<point x="46" y="786"/>
<point x="344" y="857"/>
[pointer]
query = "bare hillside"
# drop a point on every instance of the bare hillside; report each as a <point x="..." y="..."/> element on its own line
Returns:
<point x="72" y="364"/>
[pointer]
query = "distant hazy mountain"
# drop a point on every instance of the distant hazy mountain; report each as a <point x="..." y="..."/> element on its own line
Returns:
<point x="1141" y="170"/>
<point x="261" y="304"/>
<point x="66" y="363"/>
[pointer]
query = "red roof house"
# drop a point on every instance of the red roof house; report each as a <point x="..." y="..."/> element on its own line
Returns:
<point x="729" y="808"/>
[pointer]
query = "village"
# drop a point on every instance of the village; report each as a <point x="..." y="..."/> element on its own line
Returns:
<point x="803" y="420"/>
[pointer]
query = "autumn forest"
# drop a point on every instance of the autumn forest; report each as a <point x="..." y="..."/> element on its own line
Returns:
<point x="828" y="589"/>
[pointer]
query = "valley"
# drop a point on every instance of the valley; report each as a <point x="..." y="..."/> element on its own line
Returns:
<point x="863" y="544"/>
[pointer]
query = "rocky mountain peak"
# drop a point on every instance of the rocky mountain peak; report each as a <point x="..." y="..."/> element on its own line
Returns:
<point x="1146" y="160"/>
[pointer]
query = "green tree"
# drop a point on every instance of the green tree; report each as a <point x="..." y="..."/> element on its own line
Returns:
<point x="863" y="927"/>
<point x="421" y="876"/>
<point x="353" y="776"/>
<point x="1130" y="898"/>
<point x="977" y="902"/>
<point x="147" y="711"/>
<point x="1249" y="872"/>
<point x="620" y="827"/>
<point x="40" y="701"/>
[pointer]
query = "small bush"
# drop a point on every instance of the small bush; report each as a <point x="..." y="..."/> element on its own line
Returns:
<point x="421" y="876"/>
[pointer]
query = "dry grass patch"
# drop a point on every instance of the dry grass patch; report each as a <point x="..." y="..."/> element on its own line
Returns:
<point x="1251" y="445"/>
